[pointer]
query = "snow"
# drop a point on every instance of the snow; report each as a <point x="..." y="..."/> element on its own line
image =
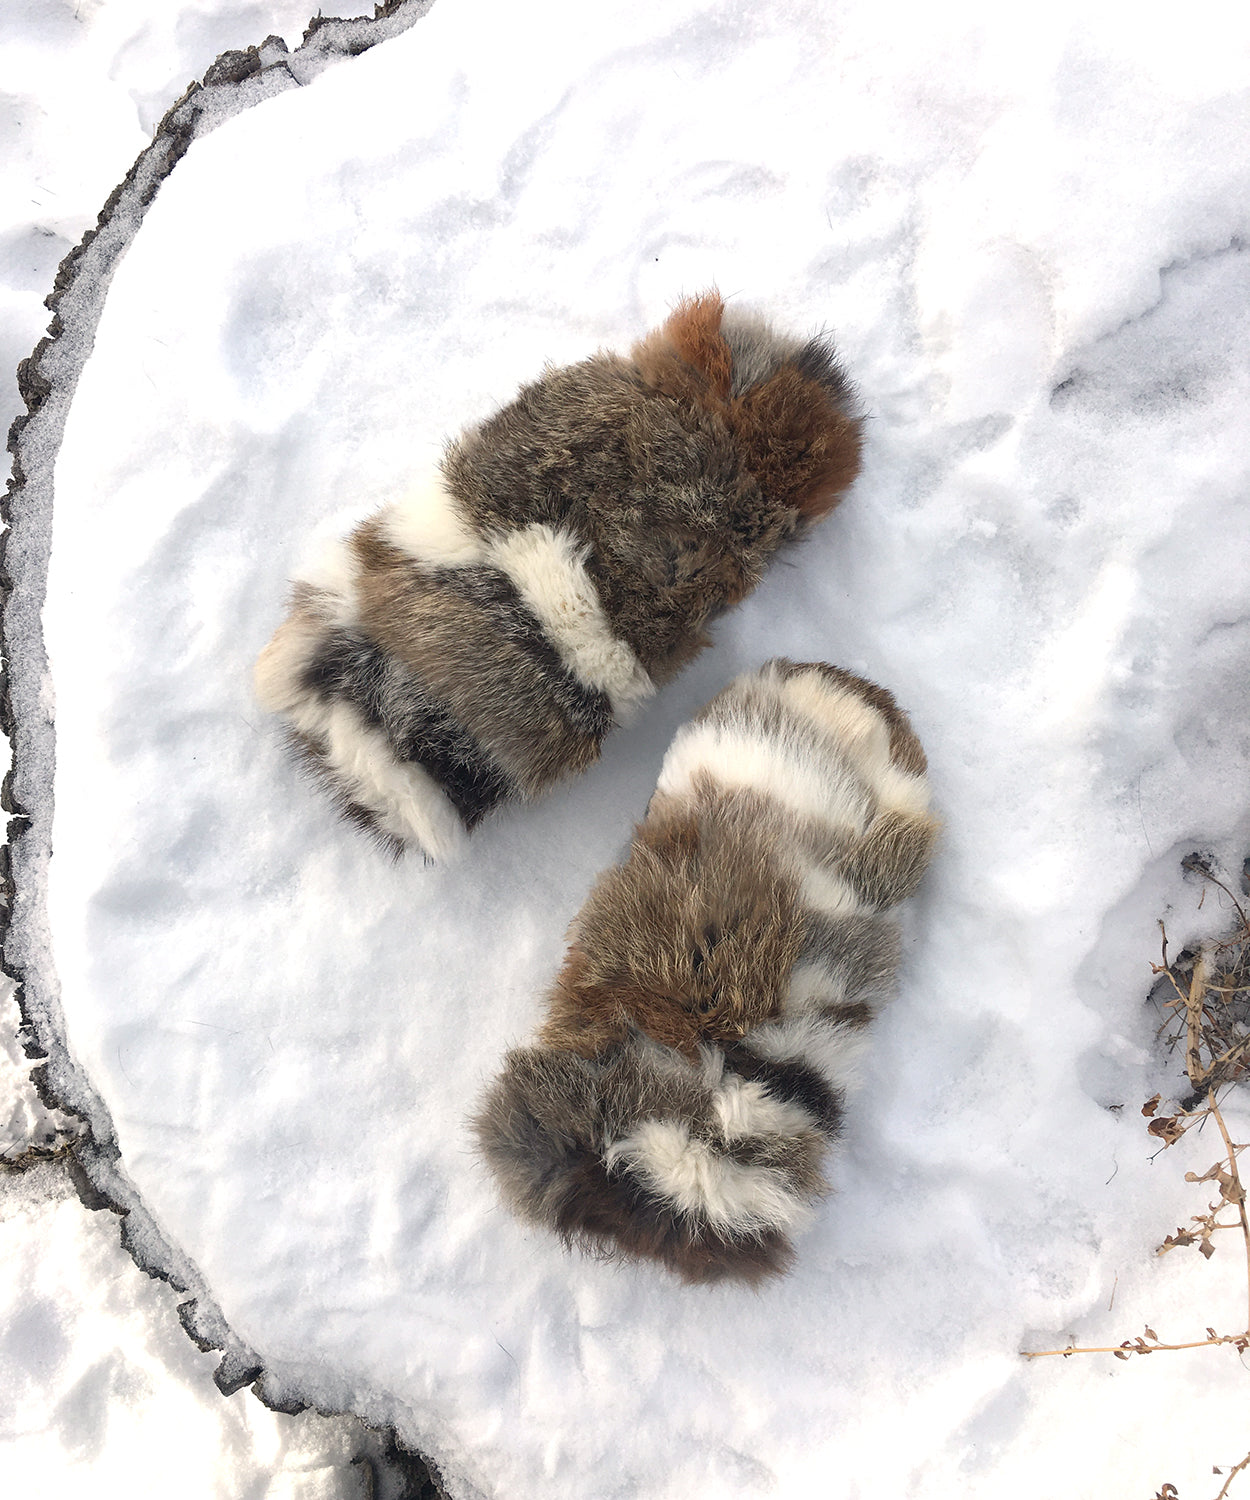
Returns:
<point x="1027" y="231"/>
<point x="83" y="84"/>
<point x="100" y="1387"/>
<point x="107" y="1391"/>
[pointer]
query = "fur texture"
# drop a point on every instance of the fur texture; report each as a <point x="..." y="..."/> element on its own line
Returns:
<point x="692" y="1073"/>
<point x="476" y="640"/>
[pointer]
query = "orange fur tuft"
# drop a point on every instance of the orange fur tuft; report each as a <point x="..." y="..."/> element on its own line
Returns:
<point x="693" y="329"/>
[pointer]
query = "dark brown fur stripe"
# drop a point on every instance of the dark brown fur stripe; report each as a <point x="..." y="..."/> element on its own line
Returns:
<point x="492" y="684"/>
<point x="846" y="1013"/>
<point x="418" y="725"/>
<point x="794" y="1082"/>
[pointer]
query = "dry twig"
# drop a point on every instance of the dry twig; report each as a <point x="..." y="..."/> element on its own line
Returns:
<point x="1232" y="1474"/>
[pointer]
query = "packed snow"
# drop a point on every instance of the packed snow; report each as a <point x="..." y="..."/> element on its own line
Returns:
<point x="1027" y="232"/>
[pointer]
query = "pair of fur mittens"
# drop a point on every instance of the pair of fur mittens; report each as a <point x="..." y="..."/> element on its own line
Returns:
<point x="692" y="1073"/>
<point x="476" y="641"/>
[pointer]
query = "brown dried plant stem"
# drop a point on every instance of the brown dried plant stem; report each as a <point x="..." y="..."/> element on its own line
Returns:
<point x="1138" y="1346"/>
<point x="1193" y="1016"/>
<point x="1232" y="1474"/>
<point x="1241" y="1195"/>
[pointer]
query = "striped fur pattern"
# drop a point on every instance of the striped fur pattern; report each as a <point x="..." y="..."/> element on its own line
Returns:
<point x="691" y="1077"/>
<point x="476" y="640"/>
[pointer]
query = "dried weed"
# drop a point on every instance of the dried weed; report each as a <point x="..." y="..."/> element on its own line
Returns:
<point x="1204" y="995"/>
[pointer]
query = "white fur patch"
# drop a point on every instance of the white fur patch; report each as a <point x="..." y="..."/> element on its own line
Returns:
<point x="862" y="735"/>
<point x="834" y="1048"/>
<point x="279" y="669"/>
<point x="744" y="1107"/>
<point x="547" y="568"/>
<point x="784" y="769"/>
<point x="330" y="568"/>
<point x="849" y="719"/>
<point x="901" y="792"/>
<point x="427" y="525"/>
<point x="701" y="1184"/>
<point x="328" y="573"/>
<point x="829" y="894"/>
<point x="812" y="983"/>
<point x="405" y="799"/>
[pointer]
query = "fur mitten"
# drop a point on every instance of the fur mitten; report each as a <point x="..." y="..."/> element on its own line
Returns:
<point x="475" y="641"/>
<point x="692" y="1072"/>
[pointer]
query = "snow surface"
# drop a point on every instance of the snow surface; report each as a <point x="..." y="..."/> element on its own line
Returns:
<point x="83" y="84"/>
<point x="100" y="1389"/>
<point x="1027" y="231"/>
<point x="102" y="1393"/>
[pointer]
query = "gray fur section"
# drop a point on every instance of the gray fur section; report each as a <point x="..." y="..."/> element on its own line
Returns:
<point x="492" y="591"/>
<point x="539" y="1117"/>
<point x="888" y="863"/>
<point x="758" y="352"/>
<point x="859" y="953"/>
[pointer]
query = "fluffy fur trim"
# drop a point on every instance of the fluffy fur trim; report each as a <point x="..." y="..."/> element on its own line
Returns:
<point x="711" y="1014"/>
<point x="566" y="559"/>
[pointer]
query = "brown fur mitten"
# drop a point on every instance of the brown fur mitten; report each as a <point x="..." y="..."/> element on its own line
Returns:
<point x="692" y="1072"/>
<point x="475" y="641"/>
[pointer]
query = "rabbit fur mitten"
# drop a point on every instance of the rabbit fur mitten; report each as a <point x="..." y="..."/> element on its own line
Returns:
<point x="701" y="1036"/>
<point x="475" y="641"/>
